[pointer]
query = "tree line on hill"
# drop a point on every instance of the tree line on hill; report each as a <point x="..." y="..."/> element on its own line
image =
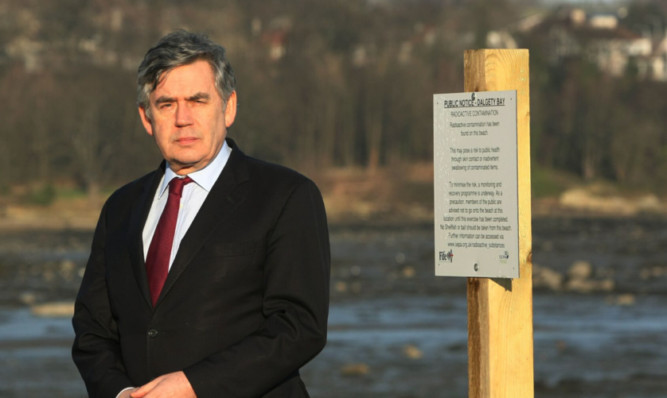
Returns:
<point x="321" y="84"/>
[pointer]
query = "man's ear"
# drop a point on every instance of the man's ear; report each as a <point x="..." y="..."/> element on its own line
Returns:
<point x="146" y="121"/>
<point x="230" y="110"/>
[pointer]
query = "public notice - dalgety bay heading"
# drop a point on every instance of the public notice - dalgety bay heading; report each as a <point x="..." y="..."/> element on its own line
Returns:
<point x="476" y="184"/>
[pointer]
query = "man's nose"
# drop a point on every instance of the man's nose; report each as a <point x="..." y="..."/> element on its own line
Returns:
<point x="183" y="115"/>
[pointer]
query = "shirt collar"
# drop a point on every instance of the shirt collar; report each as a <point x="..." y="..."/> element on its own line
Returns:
<point x="205" y="177"/>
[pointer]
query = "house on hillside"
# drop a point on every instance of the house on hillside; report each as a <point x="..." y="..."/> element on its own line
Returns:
<point x="603" y="40"/>
<point x="655" y="66"/>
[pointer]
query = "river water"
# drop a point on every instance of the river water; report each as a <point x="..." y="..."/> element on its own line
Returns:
<point x="395" y="329"/>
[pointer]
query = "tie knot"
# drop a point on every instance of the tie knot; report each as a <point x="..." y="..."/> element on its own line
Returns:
<point x="176" y="185"/>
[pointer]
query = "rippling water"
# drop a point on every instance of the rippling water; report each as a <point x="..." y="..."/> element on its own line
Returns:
<point x="395" y="329"/>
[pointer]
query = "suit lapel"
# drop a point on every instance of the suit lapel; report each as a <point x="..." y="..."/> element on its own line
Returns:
<point x="138" y="218"/>
<point x="225" y="196"/>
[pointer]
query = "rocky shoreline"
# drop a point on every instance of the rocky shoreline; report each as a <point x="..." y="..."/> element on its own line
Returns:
<point x="599" y="289"/>
<point x="63" y="233"/>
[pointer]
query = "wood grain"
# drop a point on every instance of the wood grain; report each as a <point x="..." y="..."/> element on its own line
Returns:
<point x="500" y="311"/>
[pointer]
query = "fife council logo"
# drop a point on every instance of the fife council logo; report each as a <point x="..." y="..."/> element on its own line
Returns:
<point x="447" y="256"/>
<point x="504" y="257"/>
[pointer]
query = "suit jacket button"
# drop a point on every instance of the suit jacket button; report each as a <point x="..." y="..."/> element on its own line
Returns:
<point x="152" y="333"/>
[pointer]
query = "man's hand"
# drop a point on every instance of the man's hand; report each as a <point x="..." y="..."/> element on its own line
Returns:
<point x="171" y="385"/>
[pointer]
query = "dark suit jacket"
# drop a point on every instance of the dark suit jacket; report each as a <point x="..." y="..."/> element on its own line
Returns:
<point x="245" y="303"/>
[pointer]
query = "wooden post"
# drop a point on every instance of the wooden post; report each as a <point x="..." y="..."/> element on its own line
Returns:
<point x="500" y="311"/>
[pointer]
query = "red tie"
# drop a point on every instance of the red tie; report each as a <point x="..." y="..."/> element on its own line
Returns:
<point x="159" y="252"/>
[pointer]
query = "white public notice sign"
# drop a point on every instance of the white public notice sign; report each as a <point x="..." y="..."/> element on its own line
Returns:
<point x="475" y="184"/>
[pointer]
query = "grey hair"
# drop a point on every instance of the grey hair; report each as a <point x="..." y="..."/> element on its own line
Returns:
<point x="181" y="48"/>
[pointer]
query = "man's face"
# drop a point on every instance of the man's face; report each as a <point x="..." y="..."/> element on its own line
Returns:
<point x="187" y="120"/>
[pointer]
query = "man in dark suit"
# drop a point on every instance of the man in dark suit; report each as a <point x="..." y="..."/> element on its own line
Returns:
<point x="234" y="299"/>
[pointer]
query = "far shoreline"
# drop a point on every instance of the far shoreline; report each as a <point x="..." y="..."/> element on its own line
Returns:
<point x="32" y="218"/>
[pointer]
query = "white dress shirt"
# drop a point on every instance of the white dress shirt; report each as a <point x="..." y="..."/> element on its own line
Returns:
<point x="194" y="195"/>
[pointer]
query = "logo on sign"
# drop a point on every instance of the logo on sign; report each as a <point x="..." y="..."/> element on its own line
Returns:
<point x="447" y="256"/>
